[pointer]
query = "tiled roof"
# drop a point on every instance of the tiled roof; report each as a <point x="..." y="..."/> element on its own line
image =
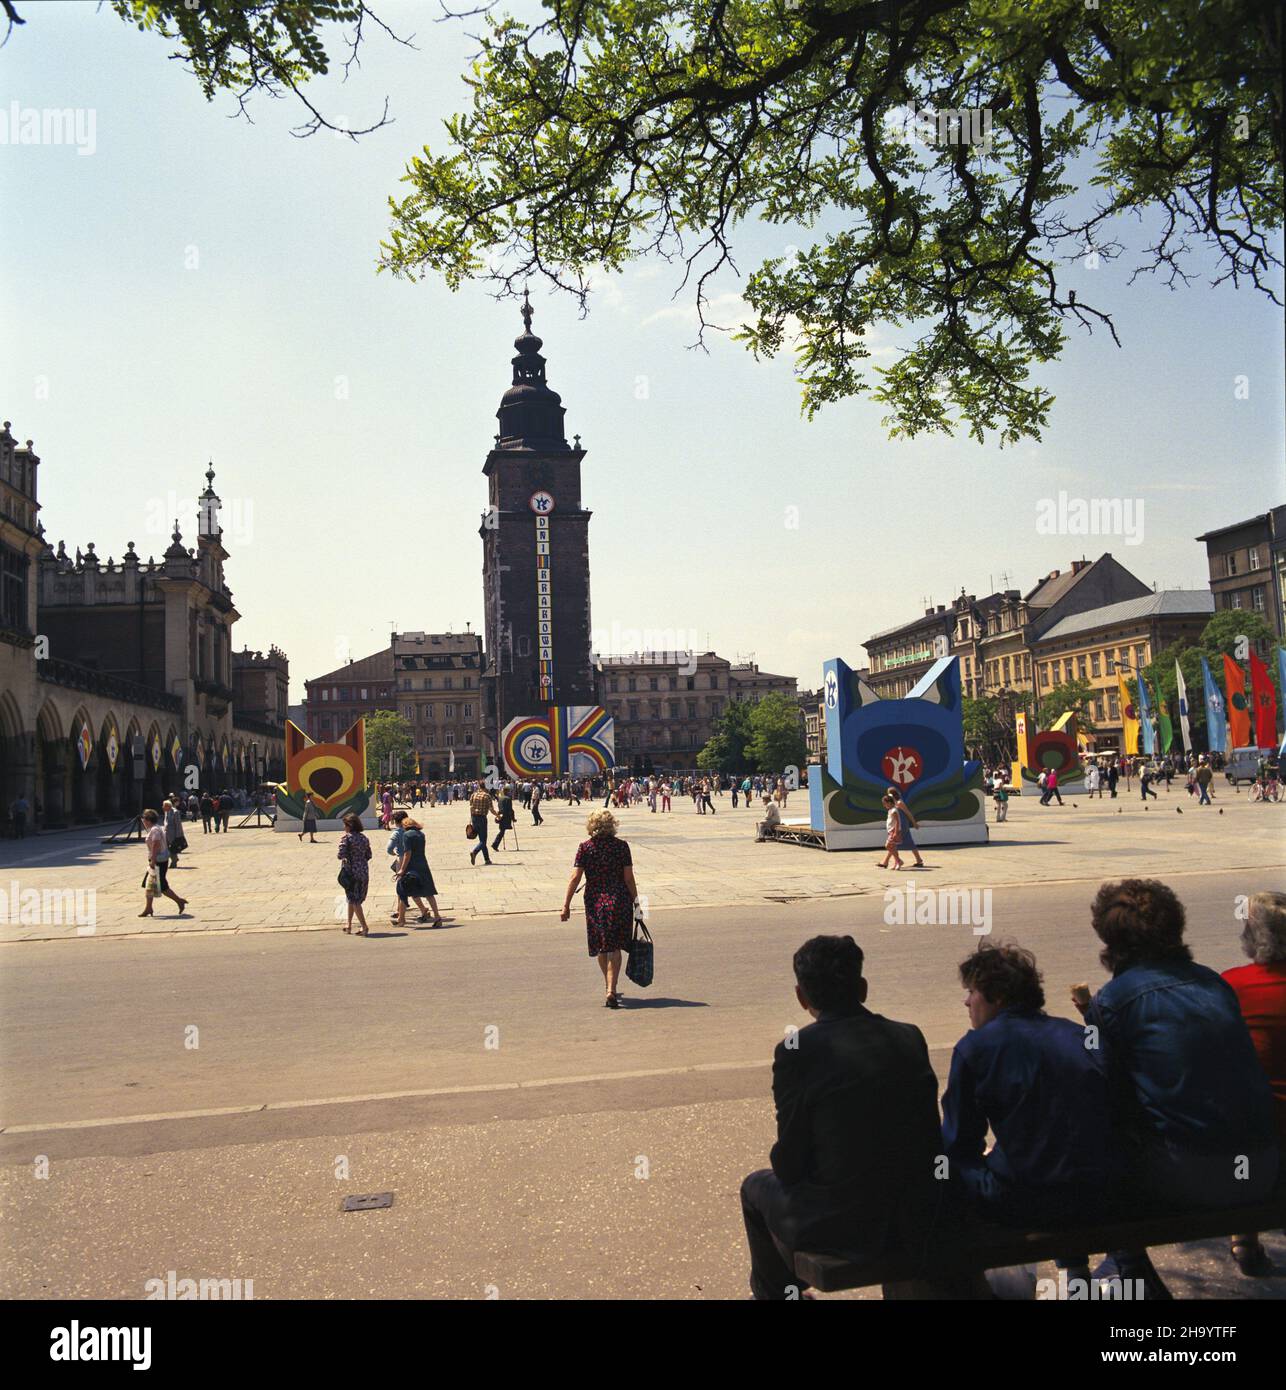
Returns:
<point x="376" y="667"/>
<point x="1169" y="603"/>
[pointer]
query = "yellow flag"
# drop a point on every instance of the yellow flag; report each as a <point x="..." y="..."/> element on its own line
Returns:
<point x="1129" y="717"/>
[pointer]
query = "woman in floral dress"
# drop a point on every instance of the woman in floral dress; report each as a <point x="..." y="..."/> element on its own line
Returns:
<point x="610" y="895"/>
<point x="354" y="856"/>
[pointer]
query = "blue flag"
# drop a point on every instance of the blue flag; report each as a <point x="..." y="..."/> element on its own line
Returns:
<point x="1147" y="735"/>
<point x="1216" y="720"/>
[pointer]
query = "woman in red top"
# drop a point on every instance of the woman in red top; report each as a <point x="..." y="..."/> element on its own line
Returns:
<point x="610" y="895"/>
<point x="1261" y="991"/>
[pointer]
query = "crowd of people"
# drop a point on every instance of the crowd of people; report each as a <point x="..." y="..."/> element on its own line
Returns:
<point x="1171" y="1095"/>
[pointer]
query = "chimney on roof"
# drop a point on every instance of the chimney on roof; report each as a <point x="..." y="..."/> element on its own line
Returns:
<point x="942" y="608"/>
<point x="1079" y="565"/>
<point x="928" y="612"/>
<point x="1053" y="574"/>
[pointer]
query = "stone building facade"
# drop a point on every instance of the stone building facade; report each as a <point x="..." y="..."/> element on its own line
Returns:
<point x="439" y="693"/>
<point x="1248" y="567"/>
<point x="117" y="676"/>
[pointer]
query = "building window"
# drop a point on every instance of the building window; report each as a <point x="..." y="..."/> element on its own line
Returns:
<point x="1111" y="663"/>
<point x="692" y="683"/>
<point x="468" y="711"/>
<point x="613" y="686"/>
<point x="634" y="709"/>
<point x="654" y="709"/>
<point x="363" y="692"/>
<point x="424" y="712"/>
<point x="344" y="693"/>
<point x="468" y="682"/>
<point x="1230" y="563"/>
<point x="674" y="709"/>
<point x="1254" y="557"/>
<point x="426" y="682"/>
<point x="446" y="682"/>
<point x="1098" y="708"/>
<point x="692" y="709"/>
<point x="674" y="682"/>
<point x="430" y="738"/>
<point x="1095" y="664"/>
<point x="1257" y="599"/>
<point x="448" y="738"/>
<point x="524" y="645"/>
<point x="631" y="684"/>
<point x="468" y="738"/>
<point x="408" y="712"/>
<point x="653" y="683"/>
<point x="325" y="694"/>
<point x="448" y="711"/>
<point x="1113" y="706"/>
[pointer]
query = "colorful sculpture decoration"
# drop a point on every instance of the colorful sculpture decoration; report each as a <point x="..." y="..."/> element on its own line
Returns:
<point x="1057" y="747"/>
<point x="333" y="774"/>
<point x="915" y="744"/>
<point x="568" y="740"/>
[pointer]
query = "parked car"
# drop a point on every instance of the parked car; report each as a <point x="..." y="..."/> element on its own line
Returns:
<point x="1242" y="764"/>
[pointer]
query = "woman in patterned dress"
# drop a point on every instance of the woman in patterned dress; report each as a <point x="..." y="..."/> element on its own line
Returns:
<point x="354" y="855"/>
<point x="610" y="895"/>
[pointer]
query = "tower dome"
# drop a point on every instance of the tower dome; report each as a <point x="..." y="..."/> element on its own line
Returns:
<point x="530" y="414"/>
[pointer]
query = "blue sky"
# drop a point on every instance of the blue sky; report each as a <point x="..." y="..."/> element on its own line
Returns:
<point x="200" y="287"/>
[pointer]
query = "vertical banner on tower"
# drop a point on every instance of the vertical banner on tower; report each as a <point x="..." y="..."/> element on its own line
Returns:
<point x="542" y="504"/>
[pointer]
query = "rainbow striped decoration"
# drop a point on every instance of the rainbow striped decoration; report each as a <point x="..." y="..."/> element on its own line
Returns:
<point x="84" y="746"/>
<point x="576" y="739"/>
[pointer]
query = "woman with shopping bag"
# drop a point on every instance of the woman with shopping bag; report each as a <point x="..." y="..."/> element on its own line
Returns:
<point x="611" y="896"/>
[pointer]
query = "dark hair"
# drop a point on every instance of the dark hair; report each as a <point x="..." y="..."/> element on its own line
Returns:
<point x="829" y="971"/>
<point x="1138" y="920"/>
<point x="353" y="822"/>
<point x="1005" y="975"/>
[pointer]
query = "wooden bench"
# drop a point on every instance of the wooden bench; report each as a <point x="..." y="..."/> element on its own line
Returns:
<point x="792" y="832"/>
<point x="994" y="1247"/>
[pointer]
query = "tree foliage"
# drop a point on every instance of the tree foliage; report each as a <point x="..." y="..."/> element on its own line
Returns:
<point x="726" y="749"/>
<point x="1076" y="696"/>
<point x="614" y="129"/>
<point x="776" y="735"/>
<point x="387" y="732"/>
<point x="248" y="47"/>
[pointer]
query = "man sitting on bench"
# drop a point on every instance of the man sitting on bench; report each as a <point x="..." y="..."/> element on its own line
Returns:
<point x="857" y="1129"/>
<point x="1191" y="1104"/>
<point x="767" y="827"/>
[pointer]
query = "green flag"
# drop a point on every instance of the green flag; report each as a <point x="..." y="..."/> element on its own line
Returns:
<point x="1167" y="729"/>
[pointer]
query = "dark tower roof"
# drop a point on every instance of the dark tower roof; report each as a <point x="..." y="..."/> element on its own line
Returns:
<point x="530" y="414"/>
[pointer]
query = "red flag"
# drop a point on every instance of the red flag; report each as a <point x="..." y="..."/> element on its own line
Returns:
<point x="1238" y="705"/>
<point x="1265" y="702"/>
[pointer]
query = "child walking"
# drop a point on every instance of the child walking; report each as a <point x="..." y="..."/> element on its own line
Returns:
<point x="893" y="833"/>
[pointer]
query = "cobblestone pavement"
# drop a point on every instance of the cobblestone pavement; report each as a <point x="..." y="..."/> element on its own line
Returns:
<point x="256" y="879"/>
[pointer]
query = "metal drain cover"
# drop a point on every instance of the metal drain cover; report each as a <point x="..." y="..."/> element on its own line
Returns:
<point x="369" y="1202"/>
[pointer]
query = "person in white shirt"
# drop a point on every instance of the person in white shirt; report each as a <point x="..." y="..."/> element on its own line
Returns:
<point x="772" y="818"/>
<point x="158" y="863"/>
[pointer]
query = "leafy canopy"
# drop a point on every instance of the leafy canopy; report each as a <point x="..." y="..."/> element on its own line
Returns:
<point x="616" y="129"/>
